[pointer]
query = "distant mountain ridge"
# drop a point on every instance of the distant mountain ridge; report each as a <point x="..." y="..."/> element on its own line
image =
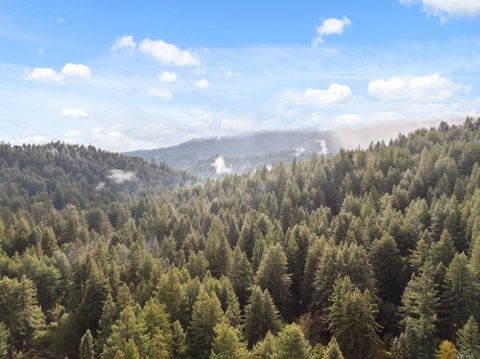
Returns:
<point x="211" y="157"/>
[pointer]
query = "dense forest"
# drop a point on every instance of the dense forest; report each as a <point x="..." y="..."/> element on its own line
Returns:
<point x="369" y="253"/>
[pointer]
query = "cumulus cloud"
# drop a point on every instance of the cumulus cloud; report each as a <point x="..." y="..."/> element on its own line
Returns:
<point x="202" y="83"/>
<point x="49" y="75"/>
<point x="220" y="166"/>
<point x="334" y="94"/>
<point x="43" y="74"/>
<point x="160" y="93"/>
<point x="168" y="54"/>
<point x="73" y="113"/>
<point x="167" y="76"/>
<point x="421" y="88"/>
<point x="76" y="70"/>
<point x="120" y="176"/>
<point x="124" y="43"/>
<point x="331" y="26"/>
<point x="448" y="8"/>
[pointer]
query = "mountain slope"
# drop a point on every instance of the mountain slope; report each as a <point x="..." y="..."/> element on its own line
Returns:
<point x="76" y="174"/>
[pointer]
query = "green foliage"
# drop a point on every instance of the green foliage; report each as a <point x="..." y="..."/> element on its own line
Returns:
<point x="207" y="313"/>
<point x="86" y="346"/>
<point x="468" y="339"/>
<point x="227" y="343"/>
<point x="351" y="319"/>
<point x="4" y="336"/>
<point x="333" y="350"/>
<point x="291" y="343"/>
<point x="261" y="316"/>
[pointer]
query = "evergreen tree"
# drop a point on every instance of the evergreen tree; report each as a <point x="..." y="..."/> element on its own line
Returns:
<point x="207" y="313"/>
<point x="227" y="343"/>
<point x="86" y="346"/>
<point x="19" y="310"/>
<point x="291" y="343"/>
<point x="179" y="343"/>
<point x="261" y="316"/>
<point x="272" y="275"/>
<point x="387" y="265"/>
<point x="333" y="350"/>
<point x="241" y="275"/>
<point x="461" y="295"/>
<point x="468" y="340"/>
<point x="351" y="319"/>
<point x="217" y="250"/>
<point x="419" y="310"/>
<point x="264" y="349"/>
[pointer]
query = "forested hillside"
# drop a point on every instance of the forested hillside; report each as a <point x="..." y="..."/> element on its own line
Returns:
<point x="370" y="253"/>
<point x="69" y="174"/>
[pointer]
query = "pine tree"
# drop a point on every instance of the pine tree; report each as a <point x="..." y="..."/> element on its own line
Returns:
<point x="333" y="350"/>
<point x="261" y="316"/>
<point x="217" y="250"/>
<point x="179" y="346"/>
<point x="419" y="310"/>
<point x="86" y="346"/>
<point x="19" y="310"/>
<point x="468" y="340"/>
<point x="264" y="349"/>
<point x="241" y="275"/>
<point x="207" y="312"/>
<point x="272" y="275"/>
<point x="227" y="343"/>
<point x="351" y="319"/>
<point x="313" y="257"/>
<point x="461" y="295"/>
<point x="291" y="343"/>
<point x="387" y="264"/>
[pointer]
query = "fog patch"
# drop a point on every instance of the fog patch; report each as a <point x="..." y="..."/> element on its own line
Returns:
<point x="323" y="147"/>
<point x="100" y="187"/>
<point x="120" y="176"/>
<point x="220" y="166"/>
<point x="299" y="151"/>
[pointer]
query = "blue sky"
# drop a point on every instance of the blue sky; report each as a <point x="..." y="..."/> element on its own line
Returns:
<point x="142" y="74"/>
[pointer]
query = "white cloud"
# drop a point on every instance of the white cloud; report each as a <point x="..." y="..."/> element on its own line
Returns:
<point x="126" y="43"/>
<point x="202" y="83"/>
<point x="168" y="54"/>
<point x="167" y="76"/>
<point x="43" y="74"/>
<point x="448" y="8"/>
<point x="422" y="88"/>
<point x="335" y="94"/>
<point x="160" y="93"/>
<point x="220" y="166"/>
<point x="76" y="70"/>
<point x="73" y="113"/>
<point x="331" y="26"/>
<point x="49" y="75"/>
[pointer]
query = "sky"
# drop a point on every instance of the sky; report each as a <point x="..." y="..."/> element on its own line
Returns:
<point x="128" y="75"/>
